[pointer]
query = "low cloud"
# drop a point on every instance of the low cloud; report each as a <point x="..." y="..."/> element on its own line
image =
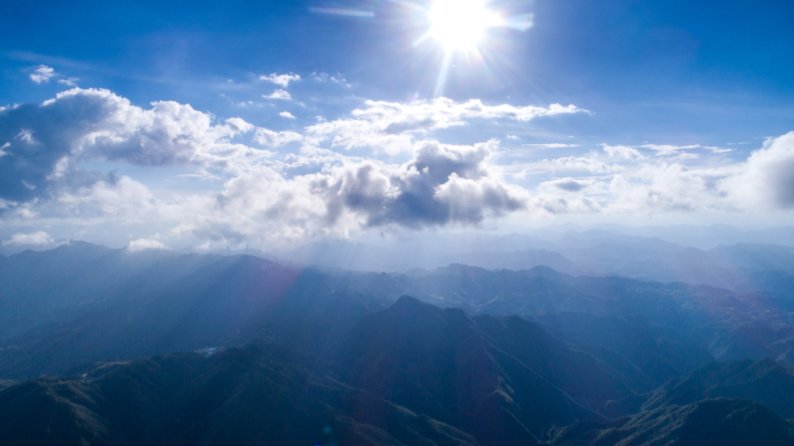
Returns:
<point x="33" y="239"/>
<point x="145" y="244"/>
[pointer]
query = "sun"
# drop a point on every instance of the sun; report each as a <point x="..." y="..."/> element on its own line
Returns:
<point x="461" y="25"/>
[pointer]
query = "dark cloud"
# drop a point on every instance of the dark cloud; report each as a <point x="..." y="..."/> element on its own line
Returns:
<point x="39" y="141"/>
<point x="442" y="184"/>
<point x="37" y="137"/>
<point x="569" y="185"/>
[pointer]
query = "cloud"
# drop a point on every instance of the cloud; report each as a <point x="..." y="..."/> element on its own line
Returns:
<point x="279" y="95"/>
<point x="42" y="74"/>
<point x="287" y="115"/>
<point x="568" y="184"/>
<point x="344" y="12"/>
<point x="38" y="239"/>
<point x="622" y="152"/>
<point x="270" y="138"/>
<point x="766" y="180"/>
<point x="337" y="79"/>
<point x="550" y="145"/>
<point x="69" y="81"/>
<point x="390" y="127"/>
<point x="95" y="160"/>
<point x="444" y="112"/>
<point x="109" y="197"/>
<point x="664" y="188"/>
<point x="41" y="141"/>
<point x="282" y="80"/>
<point x="442" y="184"/>
<point x="145" y="244"/>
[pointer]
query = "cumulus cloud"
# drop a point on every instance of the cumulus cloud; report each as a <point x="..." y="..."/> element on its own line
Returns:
<point x="270" y="138"/>
<point x="42" y="74"/>
<point x="37" y="239"/>
<point x="282" y="80"/>
<point x="766" y="180"/>
<point x="279" y="95"/>
<point x="40" y="140"/>
<point x="442" y="184"/>
<point x="264" y="187"/>
<point x="287" y="115"/>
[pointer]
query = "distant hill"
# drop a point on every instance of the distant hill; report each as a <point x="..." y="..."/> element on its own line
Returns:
<point x="723" y="422"/>
<point x="767" y="382"/>
<point x="82" y="303"/>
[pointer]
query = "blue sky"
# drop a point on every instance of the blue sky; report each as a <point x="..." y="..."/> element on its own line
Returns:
<point x="660" y="110"/>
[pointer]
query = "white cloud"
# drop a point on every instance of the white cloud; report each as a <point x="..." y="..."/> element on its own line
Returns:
<point x="766" y="180"/>
<point x="622" y="152"/>
<point x="38" y="239"/>
<point x="282" y="80"/>
<point x="278" y="95"/>
<point x="270" y="138"/>
<point x="391" y="127"/>
<point x="69" y="81"/>
<point x="239" y="184"/>
<point x="42" y="74"/>
<point x="287" y="115"/>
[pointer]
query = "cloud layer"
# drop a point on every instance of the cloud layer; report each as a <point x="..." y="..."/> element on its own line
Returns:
<point x="89" y="158"/>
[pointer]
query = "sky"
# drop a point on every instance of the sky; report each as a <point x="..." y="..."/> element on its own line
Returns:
<point x="220" y="125"/>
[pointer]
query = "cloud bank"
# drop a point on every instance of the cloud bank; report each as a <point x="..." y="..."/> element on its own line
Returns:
<point x="89" y="158"/>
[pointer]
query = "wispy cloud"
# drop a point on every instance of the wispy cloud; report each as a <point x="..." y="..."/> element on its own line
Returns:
<point x="42" y="74"/>
<point x="343" y="12"/>
<point x="38" y="239"/>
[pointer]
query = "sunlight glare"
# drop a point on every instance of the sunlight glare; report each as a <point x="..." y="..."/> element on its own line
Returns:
<point x="460" y="25"/>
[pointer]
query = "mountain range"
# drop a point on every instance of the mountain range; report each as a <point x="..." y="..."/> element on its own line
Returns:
<point x="104" y="346"/>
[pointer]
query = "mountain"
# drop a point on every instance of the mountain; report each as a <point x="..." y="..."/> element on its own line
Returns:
<point x="92" y="339"/>
<point x="767" y="382"/>
<point x="83" y="303"/>
<point x="409" y="374"/>
<point x="743" y="261"/>
<point x="724" y="422"/>
<point x="247" y="396"/>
